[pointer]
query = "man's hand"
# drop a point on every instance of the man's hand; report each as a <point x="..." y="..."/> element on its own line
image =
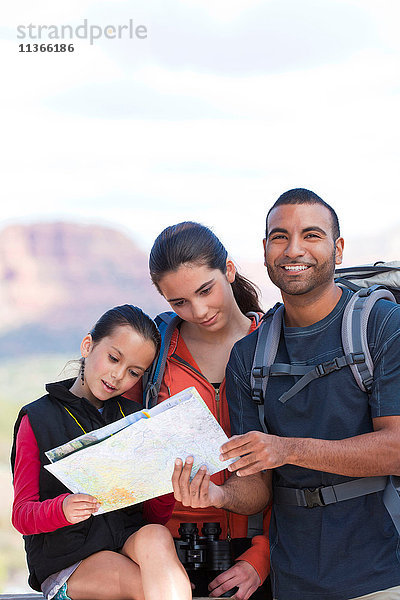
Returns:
<point x="258" y="451"/>
<point x="367" y="455"/>
<point x="79" y="507"/>
<point x="242" y="575"/>
<point x="198" y="493"/>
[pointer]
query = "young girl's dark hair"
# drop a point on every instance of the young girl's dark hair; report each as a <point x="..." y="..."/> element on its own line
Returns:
<point x="193" y="243"/>
<point x="127" y="314"/>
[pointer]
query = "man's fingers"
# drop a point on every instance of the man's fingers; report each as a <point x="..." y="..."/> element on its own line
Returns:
<point x="247" y="465"/>
<point x="191" y="493"/>
<point x="247" y="445"/>
<point x="251" y="470"/>
<point x="204" y="488"/>
<point x="184" y="481"/>
<point x="184" y="489"/>
<point x="187" y="468"/>
<point x="196" y="489"/>
<point x="199" y="487"/>
<point x="233" y="443"/>
<point x="194" y="485"/>
<point x="175" y="479"/>
<point x="241" y="463"/>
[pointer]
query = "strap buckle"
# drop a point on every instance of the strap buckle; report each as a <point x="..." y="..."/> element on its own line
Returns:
<point x="358" y="357"/>
<point x="313" y="497"/>
<point x="260" y="372"/>
<point x="257" y="372"/>
<point x="327" y="367"/>
<point x="257" y="396"/>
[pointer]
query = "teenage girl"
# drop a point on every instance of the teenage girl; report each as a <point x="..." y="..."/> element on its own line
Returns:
<point x="191" y="269"/>
<point x="72" y="554"/>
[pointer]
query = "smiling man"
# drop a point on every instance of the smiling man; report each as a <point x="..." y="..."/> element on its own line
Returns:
<point x="319" y="439"/>
<point x="329" y="432"/>
<point x="301" y="249"/>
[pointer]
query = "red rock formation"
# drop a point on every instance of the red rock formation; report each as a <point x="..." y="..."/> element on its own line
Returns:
<point x="60" y="277"/>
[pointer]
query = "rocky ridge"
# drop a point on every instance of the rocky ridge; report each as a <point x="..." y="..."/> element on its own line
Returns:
<point x="56" y="279"/>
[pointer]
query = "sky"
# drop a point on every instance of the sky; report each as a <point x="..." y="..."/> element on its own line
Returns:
<point x="219" y="109"/>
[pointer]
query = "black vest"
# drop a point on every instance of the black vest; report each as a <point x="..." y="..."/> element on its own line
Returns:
<point x="48" y="553"/>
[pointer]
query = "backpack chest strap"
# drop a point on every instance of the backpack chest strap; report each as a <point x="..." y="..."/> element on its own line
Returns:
<point x="308" y="373"/>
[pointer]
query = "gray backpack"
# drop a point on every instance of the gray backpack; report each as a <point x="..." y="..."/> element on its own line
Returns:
<point x="370" y="283"/>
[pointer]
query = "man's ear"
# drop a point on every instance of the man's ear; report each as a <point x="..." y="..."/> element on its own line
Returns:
<point x="339" y="246"/>
<point x="86" y="345"/>
<point x="265" y="251"/>
<point x="230" y="271"/>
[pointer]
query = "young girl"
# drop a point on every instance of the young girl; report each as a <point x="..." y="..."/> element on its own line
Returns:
<point x="191" y="269"/>
<point x="72" y="554"/>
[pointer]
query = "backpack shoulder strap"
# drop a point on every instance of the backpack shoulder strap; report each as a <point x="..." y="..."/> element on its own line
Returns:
<point x="167" y="323"/>
<point x="354" y="332"/>
<point x="264" y="356"/>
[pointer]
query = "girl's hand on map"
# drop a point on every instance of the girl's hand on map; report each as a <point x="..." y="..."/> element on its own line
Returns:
<point x="198" y="493"/>
<point x="79" y="507"/>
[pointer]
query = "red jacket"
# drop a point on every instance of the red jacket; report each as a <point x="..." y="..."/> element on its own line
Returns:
<point x="181" y="372"/>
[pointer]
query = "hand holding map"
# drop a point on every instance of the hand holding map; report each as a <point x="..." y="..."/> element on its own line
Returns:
<point x="136" y="460"/>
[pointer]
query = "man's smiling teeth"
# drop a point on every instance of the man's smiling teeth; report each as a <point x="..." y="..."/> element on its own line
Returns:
<point x="295" y="268"/>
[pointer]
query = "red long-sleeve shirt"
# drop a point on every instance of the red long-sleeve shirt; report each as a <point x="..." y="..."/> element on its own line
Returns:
<point x="31" y="516"/>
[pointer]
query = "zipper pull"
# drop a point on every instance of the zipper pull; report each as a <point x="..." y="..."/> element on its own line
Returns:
<point x="217" y="403"/>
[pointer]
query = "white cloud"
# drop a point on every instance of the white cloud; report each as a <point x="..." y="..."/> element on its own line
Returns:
<point x="333" y="128"/>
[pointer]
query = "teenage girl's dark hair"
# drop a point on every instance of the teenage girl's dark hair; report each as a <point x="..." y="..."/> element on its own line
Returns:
<point x="127" y="314"/>
<point x="303" y="196"/>
<point x="193" y="243"/>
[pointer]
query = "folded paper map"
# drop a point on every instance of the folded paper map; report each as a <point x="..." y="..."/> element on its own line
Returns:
<point x="132" y="460"/>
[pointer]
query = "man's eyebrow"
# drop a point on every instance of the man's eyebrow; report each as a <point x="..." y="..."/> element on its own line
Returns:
<point x="305" y="230"/>
<point x="277" y="230"/>
<point x="314" y="228"/>
<point x="203" y="285"/>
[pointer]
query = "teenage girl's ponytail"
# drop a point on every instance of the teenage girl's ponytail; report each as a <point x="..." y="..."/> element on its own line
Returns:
<point x="246" y="294"/>
<point x="193" y="243"/>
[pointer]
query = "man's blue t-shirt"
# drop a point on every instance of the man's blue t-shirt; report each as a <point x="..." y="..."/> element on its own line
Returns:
<point x="350" y="548"/>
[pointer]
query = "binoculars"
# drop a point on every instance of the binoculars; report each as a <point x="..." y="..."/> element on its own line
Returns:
<point x="204" y="557"/>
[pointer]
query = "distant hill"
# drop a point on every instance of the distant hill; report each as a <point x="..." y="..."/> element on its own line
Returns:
<point x="56" y="279"/>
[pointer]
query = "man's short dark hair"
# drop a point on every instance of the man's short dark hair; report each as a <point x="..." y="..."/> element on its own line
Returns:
<point x="303" y="196"/>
